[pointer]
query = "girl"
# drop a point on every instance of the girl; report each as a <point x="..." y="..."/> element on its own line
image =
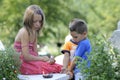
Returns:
<point x="26" y="44"/>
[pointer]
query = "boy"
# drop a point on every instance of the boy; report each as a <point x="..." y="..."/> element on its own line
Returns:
<point x="68" y="50"/>
<point x="78" y="30"/>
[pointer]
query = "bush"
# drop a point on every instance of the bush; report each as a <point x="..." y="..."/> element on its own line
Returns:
<point x="105" y="62"/>
<point x="9" y="67"/>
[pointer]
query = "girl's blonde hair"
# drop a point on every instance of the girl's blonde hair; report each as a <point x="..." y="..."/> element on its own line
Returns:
<point x="28" y="17"/>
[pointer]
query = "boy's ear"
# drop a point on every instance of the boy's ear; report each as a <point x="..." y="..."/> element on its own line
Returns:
<point x="85" y="33"/>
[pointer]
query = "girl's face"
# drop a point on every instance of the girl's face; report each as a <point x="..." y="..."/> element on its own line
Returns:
<point x="77" y="37"/>
<point x="37" y="22"/>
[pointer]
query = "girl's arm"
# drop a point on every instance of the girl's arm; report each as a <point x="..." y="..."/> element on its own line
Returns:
<point x="35" y="45"/>
<point x="25" y="49"/>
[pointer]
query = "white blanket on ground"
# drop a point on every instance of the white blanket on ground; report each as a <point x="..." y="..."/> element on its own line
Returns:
<point x="40" y="77"/>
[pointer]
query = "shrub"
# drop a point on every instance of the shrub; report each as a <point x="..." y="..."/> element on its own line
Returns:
<point x="9" y="67"/>
<point x="105" y="62"/>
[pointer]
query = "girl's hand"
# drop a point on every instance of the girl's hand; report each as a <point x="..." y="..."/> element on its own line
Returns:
<point x="51" y="60"/>
<point x="45" y="58"/>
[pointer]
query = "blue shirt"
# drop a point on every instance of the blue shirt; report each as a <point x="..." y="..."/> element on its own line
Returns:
<point x="83" y="47"/>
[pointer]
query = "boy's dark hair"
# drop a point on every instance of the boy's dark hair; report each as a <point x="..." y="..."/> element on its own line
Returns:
<point x="78" y="26"/>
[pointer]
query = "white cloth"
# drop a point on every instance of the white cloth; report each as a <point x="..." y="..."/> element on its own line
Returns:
<point x="115" y="38"/>
<point x="59" y="59"/>
<point x="40" y="77"/>
<point x="1" y="46"/>
<point x="79" y="76"/>
<point x="68" y="37"/>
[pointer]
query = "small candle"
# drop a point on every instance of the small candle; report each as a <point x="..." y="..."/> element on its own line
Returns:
<point x="51" y="56"/>
<point x="43" y="72"/>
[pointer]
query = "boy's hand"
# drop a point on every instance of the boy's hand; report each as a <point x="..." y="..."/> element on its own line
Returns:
<point x="70" y="74"/>
<point x="64" y="70"/>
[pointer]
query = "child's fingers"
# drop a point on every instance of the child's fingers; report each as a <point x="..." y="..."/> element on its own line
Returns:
<point x="71" y="74"/>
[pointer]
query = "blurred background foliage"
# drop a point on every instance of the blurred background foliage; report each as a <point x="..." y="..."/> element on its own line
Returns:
<point x="101" y="16"/>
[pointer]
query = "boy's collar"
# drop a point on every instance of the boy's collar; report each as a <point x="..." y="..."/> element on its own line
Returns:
<point x="83" y="39"/>
<point x="74" y="42"/>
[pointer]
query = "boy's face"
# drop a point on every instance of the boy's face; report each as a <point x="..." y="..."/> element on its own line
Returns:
<point x="77" y="37"/>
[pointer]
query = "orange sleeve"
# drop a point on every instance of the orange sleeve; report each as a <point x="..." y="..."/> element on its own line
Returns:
<point x="66" y="47"/>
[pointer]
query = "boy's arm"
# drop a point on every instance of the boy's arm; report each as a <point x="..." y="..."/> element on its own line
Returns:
<point x="66" y="60"/>
<point x="70" y="70"/>
<point x="72" y="65"/>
